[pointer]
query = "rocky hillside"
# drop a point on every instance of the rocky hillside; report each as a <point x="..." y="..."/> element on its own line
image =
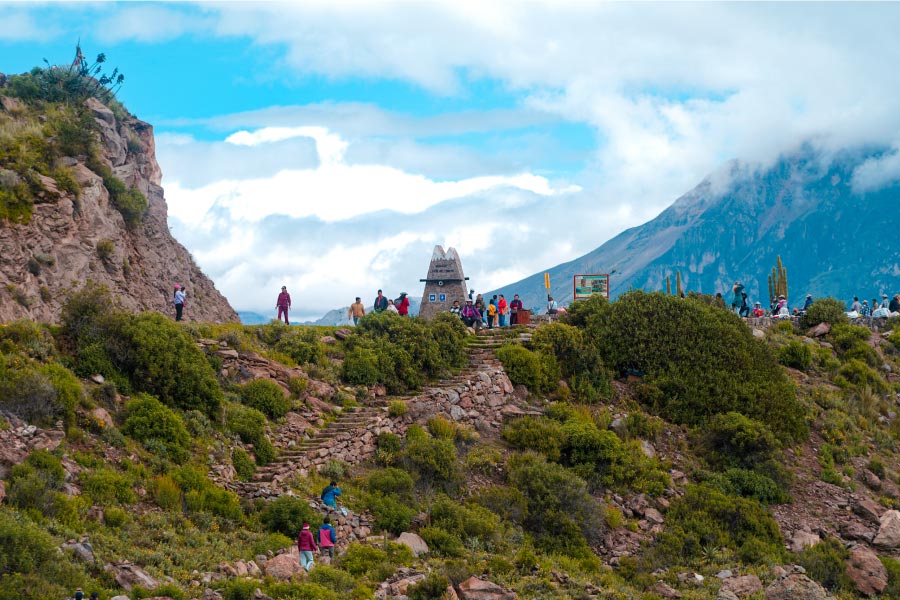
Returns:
<point x="80" y="200"/>
<point x="833" y="238"/>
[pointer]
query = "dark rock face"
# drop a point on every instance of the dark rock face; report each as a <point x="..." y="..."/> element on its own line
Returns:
<point x="832" y="237"/>
<point x="59" y="249"/>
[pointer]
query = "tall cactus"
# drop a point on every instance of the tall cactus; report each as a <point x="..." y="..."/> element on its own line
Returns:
<point x="668" y="286"/>
<point x="778" y="283"/>
<point x="678" y="283"/>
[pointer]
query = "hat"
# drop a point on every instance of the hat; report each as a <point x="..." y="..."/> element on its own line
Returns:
<point x="884" y="295"/>
<point x="809" y="295"/>
<point x="403" y="294"/>
<point x="757" y="304"/>
<point x="865" y="301"/>
<point x="284" y="287"/>
<point x="306" y="526"/>
<point x="468" y="300"/>
<point x="781" y="297"/>
<point x="177" y="287"/>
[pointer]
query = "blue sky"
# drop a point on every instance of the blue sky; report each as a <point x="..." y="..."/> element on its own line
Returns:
<point x="328" y="146"/>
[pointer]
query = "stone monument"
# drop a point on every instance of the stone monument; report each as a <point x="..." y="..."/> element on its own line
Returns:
<point x="444" y="284"/>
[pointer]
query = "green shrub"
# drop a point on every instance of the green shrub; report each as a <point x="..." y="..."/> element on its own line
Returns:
<point x="166" y="493"/>
<point x="796" y="355"/>
<point x="39" y="394"/>
<point x="734" y="440"/>
<point x="860" y="375"/>
<point x="441" y="428"/>
<point x="130" y="202"/>
<point x="149" y="420"/>
<point x="377" y="564"/>
<point x="705" y="517"/>
<point x="472" y="523"/>
<point x="749" y="484"/>
<point x="114" y="517"/>
<point x="29" y="338"/>
<point x="430" y="588"/>
<point x="271" y="542"/>
<point x="434" y="460"/>
<point x="243" y="464"/>
<point x="825" y="563"/>
<point x="361" y="367"/>
<point x="250" y="425"/>
<point x="539" y="434"/>
<point x="527" y="368"/>
<point x="287" y="514"/>
<point x="392" y="482"/>
<point x="302" y="345"/>
<point x="576" y="359"/>
<point x="397" y="408"/>
<point x="506" y="502"/>
<point x="26" y="547"/>
<point x="892" y="566"/>
<point x="390" y="514"/>
<point x="442" y="543"/>
<point x="166" y="590"/>
<point x="826" y="310"/>
<point x="106" y="487"/>
<point x="215" y="501"/>
<point x="265" y="396"/>
<point x="35" y="484"/>
<point x="333" y="579"/>
<point x="704" y="360"/>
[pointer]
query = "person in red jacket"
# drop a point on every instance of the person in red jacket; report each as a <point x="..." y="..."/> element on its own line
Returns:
<point x="283" y="304"/>
<point x="306" y="544"/>
<point x="502" y="310"/>
<point x="514" y="307"/>
<point x="403" y="305"/>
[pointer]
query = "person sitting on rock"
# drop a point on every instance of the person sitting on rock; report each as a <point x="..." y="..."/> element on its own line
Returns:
<point x="470" y="316"/>
<point x="456" y="308"/>
<point x="758" y="310"/>
<point x="330" y="495"/>
<point x="327" y="538"/>
<point x="306" y="544"/>
<point x="391" y="308"/>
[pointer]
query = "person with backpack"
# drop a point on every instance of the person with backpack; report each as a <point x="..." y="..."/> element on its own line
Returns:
<point x="402" y="304"/>
<point x="381" y="302"/>
<point x="327" y="538"/>
<point x="491" y="313"/>
<point x="738" y="289"/>
<point x="330" y="495"/>
<point x="306" y="544"/>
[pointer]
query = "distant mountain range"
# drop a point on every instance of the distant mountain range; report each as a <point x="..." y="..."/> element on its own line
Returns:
<point x="834" y="239"/>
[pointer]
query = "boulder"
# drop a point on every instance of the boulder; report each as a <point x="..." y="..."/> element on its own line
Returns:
<point x="726" y="595"/>
<point x="122" y="597"/>
<point x="283" y="567"/>
<point x="82" y="550"/>
<point x="663" y="589"/>
<point x="474" y="588"/>
<point x="796" y="586"/>
<point x="209" y="594"/>
<point x="803" y="539"/>
<point x="868" y="509"/>
<point x="744" y="585"/>
<point x="415" y="543"/>
<point x="866" y="571"/>
<point x="129" y="575"/>
<point x="819" y="330"/>
<point x="693" y="579"/>
<point x="342" y="334"/>
<point x="889" y="531"/>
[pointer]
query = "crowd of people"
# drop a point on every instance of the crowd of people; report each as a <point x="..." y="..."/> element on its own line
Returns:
<point x="778" y="306"/>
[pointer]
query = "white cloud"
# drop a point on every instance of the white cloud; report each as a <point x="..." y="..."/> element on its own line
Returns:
<point x="877" y="173"/>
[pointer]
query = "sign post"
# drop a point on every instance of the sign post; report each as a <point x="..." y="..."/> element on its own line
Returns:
<point x="547" y="284"/>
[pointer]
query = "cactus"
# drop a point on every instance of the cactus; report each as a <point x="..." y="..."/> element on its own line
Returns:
<point x="778" y="283"/>
<point x="678" y="283"/>
<point x="668" y="286"/>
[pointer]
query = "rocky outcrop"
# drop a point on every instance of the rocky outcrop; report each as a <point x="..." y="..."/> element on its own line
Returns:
<point x="474" y="588"/>
<point x="21" y="439"/>
<point x="414" y="542"/>
<point x="40" y="261"/>
<point x="866" y="572"/>
<point x="796" y="586"/>
<point x="889" y="531"/>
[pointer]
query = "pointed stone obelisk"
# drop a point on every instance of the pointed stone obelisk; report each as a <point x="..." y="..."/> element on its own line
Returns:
<point x="444" y="284"/>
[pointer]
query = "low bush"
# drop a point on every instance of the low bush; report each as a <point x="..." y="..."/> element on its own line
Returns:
<point x="434" y="460"/>
<point x="360" y="367"/>
<point x="442" y="543"/>
<point x="166" y="493"/>
<point x="508" y="503"/>
<point x="750" y="484"/>
<point x="390" y="514"/>
<point x="106" y="487"/>
<point x="150" y="421"/>
<point x="265" y="396"/>
<point x="397" y="408"/>
<point x="825" y="310"/>
<point x="26" y="547"/>
<point x="537" y="371"/>
<point x="243" y="464"/>
<point x="287" y="514"/>
<point x="857" y="373"/>
<point x="734" y="440"/>
<point x="333" y="579"/>
<point x="539" y="434"/>
<point x="376" y="563"/>
<point x="35" y="484"/>
<point x="250" y="425"/>
<point x="430" y="588"/>
<point x="796" y="354"/>
<point x="392" y="482"/>
<point x="114" y="517"/>
<point x="474" y="524"/>
<point x="441" y="428"/>
<point x="825" y="562"/>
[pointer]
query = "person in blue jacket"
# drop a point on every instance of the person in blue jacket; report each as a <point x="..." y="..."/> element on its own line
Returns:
<point x="327" y="538"/>
<point x="330" y="494"/>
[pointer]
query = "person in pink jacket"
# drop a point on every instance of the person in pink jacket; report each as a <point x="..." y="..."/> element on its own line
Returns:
<point x="283" y="304"/>
<point x="306" y="544"/>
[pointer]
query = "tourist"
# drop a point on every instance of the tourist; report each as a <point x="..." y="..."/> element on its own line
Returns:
<point x="781" y="308"/>
<point x="79" y="595"/>
<point x="856" y="306"/>
<point x="502" y="310"/>
<point x="330" y="495"/>
<point x="95" y="595"/>
<point x="552" y="306"/>
<point x="875" y="304"/>
<point x="381" y="303"/>
<point x="865" y="310"/>
<point x="758" y="310"/>
<point x="884" y="301"/>
<point x="283" y="304"/>
<point x="391" y="308"/>
<point x="894" y="306"/>
<point x="496" y="308"/>
<point x="403" y="305"/>
<point x="455" y="309"/>
<point x="479" y="306"/>
<point x="327" y="538"/>
<point x="306" y="544"/>
<point x="737" y="289"/>
<point x="356" y="311"/>
<point x="808" y="302"/>
<point x="179" y="297"/>
<point x="514" y="307"/>
<point x="471" y="294"/>
<point x="471" y="316"/>
<point x="745" y="305"/>
<point x="491" y="313"/>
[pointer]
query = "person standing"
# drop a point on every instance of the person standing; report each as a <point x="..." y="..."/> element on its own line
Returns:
<point x="283" y="304"/>
<point x="514" y="307"/>
<point x="745" y="305"/>
<point x="327" y="538"/>
<point x="865" y="310"/>
<point x="330" y="495"/>
<point x="179" y="298"/>
<point x="356" y="311"/>
<point x="894" y="306"/>
<point x="502" y="310"/>
<point x="381" y="302"/>
<point x="391" y="308"/>
<point x="403" y="305"/>
<point x="306" y="544"/>
<point x="855" y="307"/>
<point x="737" y="288"/>
<point x="808" y="303"/>
<point x="552" y="306"/>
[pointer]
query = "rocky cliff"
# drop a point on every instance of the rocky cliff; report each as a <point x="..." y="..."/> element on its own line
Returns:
<point x="73" y="237"/>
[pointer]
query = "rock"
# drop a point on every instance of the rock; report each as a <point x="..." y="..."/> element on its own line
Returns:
<point x="82" y="550"/>
<point x="209" y="594"/>
<point x="694" y="579"/>
<point x="796" y="586"/>
<point x="853" y="530"/>
<point x="871" y="480"/>
<point x="648" y="449"/>
<point x="98" y="378"/>
<point x="724" y="574"/>
<point x="819" y="330"/>
<point x="450" y="593"/>
<point x="240" y="568"/>
<point x="759" y="333"/>
<point x="653" y="515"/>
<point x="342" y="334"/>
<point x="664" y="590"/>
<point x="102" y="417"/>
<point x="414" y="542"/>
<point x="889" y="530"/>
<point x="283" y="567"/>
<point x="778" y="571"/>
<point x="126" y="598"/>
<point x="803" y="539"/>
<point x="253" y="569"/>
<point x="129" y="575"/>
<point x="474" y="588"/>
<point x="866" y="571"/>
<point x="2" y="491"/>
<point x="868" y="509"/>
<point x="726" y="595"/>
<point x="741" y="586"/>
<point x="328" y="340"/>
